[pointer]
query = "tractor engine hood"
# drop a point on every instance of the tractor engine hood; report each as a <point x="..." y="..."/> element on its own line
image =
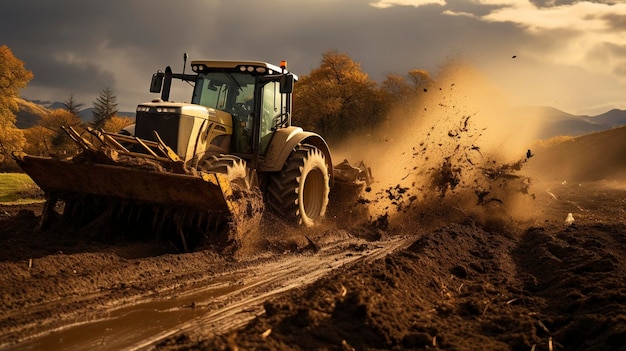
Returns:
<point x="178" y="124"/>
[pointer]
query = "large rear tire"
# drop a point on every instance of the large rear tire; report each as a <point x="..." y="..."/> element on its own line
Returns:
<point x="299" y="192"/>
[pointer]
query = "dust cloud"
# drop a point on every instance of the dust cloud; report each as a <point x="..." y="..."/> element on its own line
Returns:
<point x="457" y="150"/>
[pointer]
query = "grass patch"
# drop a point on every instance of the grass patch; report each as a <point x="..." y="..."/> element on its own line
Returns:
<point x="16" y="188"/>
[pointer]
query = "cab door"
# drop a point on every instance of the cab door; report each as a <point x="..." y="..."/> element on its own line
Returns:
<point x="272" y="107"/>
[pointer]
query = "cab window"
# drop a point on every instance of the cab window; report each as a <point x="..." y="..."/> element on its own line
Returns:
<point x="273" y="106"/>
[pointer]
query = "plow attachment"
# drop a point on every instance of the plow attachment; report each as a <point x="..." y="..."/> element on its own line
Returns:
<point x="104" y="189"/>
<point x="208" y="192"/>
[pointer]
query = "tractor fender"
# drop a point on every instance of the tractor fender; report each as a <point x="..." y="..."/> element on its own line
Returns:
<point x="283" y="143"/>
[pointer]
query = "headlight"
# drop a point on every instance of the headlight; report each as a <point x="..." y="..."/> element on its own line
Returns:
<point x="168" y="110"/>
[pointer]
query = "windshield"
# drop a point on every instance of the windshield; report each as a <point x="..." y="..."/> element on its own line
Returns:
<point x="223" y="90"/>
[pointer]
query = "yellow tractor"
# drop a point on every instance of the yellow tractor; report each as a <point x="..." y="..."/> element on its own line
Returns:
<point x="204" y="169"/>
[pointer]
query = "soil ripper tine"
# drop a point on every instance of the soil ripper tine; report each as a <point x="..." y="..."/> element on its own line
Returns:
<point x="164" y="213"/>
<point x="78" y="139"/>
<point x="75" y="207"/>
<point x="146" y="147"/>
<point x="97" y="134"/>
<point x="199" y="221"/>
<point x="133" y="217"/>
<point x="185" y="218"/>
<point x="177" y="164"/>
<point x="180" y="231"/>
<point x="155" y="217"/>
<point x="122" y="209"/>
<point x="106" y="139"/>
<point x="160" y="215"/>
<point x="138" y="213"/>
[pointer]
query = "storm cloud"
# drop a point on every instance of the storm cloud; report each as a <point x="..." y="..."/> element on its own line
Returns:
<point x="569" y="54"/>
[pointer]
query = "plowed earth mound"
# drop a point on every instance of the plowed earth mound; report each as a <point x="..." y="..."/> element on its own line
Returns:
<point x="469" y="285"/>
<point x="465" y="286"/>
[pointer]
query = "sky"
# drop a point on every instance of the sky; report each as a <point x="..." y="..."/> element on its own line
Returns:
<point x="567" y="54"/>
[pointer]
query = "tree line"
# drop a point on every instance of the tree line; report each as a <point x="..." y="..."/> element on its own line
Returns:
<point x="46" y="137"/>
<point x="336" y="99"/>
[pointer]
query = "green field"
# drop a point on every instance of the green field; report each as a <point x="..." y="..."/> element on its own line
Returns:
<point x="16" y="188"/>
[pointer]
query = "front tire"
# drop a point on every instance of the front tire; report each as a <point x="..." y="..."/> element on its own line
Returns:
<point x="231" y="166"/>
<point x="299" y="192"/>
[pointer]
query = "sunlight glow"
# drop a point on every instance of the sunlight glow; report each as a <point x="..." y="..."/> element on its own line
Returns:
<point x="383" y="4"/>
<point x="586" y="34"/>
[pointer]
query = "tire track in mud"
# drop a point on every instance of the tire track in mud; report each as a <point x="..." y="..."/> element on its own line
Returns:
<point x="225" y="302"/>
<point x="246" y="303"/>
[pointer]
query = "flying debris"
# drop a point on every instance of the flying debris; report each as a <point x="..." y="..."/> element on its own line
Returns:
<point x="570" y="219"/>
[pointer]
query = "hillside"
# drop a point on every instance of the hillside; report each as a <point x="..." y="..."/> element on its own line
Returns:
<point x="591" y="157"/>
<point x="31" y="110"/>
<point x="29" y="113"/>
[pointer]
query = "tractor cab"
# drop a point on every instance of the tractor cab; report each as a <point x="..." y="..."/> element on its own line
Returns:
<point x="256" y="94"/>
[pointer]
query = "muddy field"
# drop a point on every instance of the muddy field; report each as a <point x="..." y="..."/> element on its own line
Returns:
<point x="506" y="245"/>
<point x="467" y="285"/>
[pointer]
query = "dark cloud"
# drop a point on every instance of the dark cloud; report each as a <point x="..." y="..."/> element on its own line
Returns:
<point x="84" y="77"/>
<point x="81" y="47"/>
<point x="616" y="21"/>
<point x="471" y="7"/>
<point x="553" y="3"/>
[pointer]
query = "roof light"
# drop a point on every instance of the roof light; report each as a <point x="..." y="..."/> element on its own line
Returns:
<point x="198" y="68"/>
<point x="283" y="64"/>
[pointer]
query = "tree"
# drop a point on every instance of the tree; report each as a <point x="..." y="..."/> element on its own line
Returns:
<point x="117" y="123"/>
<point x="13" y="77"/>
<point x="47" y="137"/>
<point x="105" y="107"/>
<point x="401" y="90"/>
<point x="337" y="98"/>
<point x="72" y="106"/>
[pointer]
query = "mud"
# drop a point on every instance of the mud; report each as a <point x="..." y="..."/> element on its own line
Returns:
<point x="465" y="286"/>
<point x="513" y="248"/>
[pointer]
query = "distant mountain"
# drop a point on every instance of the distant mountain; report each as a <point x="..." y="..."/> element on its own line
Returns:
<point x="51" y="105"/>
<point x="613" y="118"/>
<point x="558" y="123"/>
<point x="30" y="111"/>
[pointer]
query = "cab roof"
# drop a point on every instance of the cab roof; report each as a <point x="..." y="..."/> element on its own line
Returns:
<point x="240" y="65"/>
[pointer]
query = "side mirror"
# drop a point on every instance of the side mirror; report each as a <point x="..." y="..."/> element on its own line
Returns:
<point x="157" y="82"/>
<point x="286" y="84"/>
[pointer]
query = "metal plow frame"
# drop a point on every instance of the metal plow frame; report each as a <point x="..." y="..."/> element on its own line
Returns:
<point x="109" y="184"/>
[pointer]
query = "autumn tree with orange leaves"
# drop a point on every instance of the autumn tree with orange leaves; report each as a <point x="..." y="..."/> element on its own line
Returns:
<point x="13" y="77"/>
<point x="337" y="98"/>
<point x="47" y="137"/>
